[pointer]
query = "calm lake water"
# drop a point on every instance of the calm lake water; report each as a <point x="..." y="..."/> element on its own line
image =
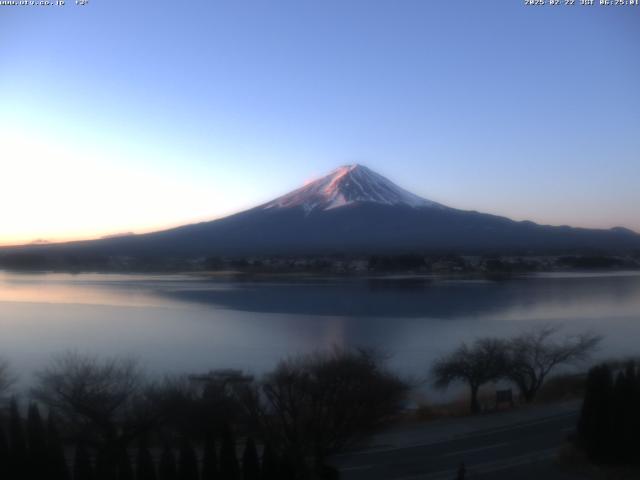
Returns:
<point x="192" y="324"/>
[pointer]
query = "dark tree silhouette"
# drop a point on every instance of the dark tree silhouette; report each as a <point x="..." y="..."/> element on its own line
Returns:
<point x="167" y="468"/>
<point x="250" y="462"/>
<point x="609" y="420"/>
<point x="630" y="419"/>
<point x="82" y="466"/>
<point x="6" y="378"/>
<point x="327" y="472"/>
<point x="483" y="361"/>
<point x="91" y="393"/>
<point x="18" y="464"/>
<point x="209" y="459"/>
<point x="125" y="470"/>
<point x="188" y="462"/>
<point x="269" y="464"/>
<point x="620" y="417"/>
<point x="37" y="443"/>
<point x="229" y="469"/>
<point x="107" y="463"/>
<point x="534" y="354"/>
<point x="58" y="469"/>
<point x="4" y="455"/>
<point x="192" y="405"/>
<point x="145" y="467"/>
<point x="287" y="467"/>
<point x="595" y="417"/>
<point x="312" y="406"/>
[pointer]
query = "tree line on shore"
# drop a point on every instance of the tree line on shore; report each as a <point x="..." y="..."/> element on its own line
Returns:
<point x="107" y="421"/>
<point x="500" y="264"/>
<point x="525" y="360"/>
<point x="114" y="424"/>
<point x="33" y="449"/>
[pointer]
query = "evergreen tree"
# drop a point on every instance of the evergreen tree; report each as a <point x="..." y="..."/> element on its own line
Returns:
<point x="250" y="462"/>
<point x="286" y="468"/>
<point x="209" y="459"/>
<point x="269" y="464"/>
<point x="594" y="424"/>
<point x="82" y="466"/>
<point x="37" y="444"/>
<point x="125" y="471"/>
<point x="625" y="406"/>
<point x="18" y="465"/>
<point x="57" y="463"/>
<point x="145" y="468"/>
<point x="634" y="422"/>
<point x="617" y="418"/>
<point x="107" y="463"/>
<point x="327" y="472"/>
<point x="629" y="405"/>
<point x="4" y="455"/>
<point x="167" y="469"/>
<point x="229" y="469"/>
<point x="188" y="462"/>
<point x="623" y="434"/>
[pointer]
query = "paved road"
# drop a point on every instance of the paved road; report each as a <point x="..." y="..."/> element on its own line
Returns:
<point x="523" y="450"/>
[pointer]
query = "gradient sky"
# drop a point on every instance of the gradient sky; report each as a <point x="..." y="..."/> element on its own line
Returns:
<point x="131" y="116"/>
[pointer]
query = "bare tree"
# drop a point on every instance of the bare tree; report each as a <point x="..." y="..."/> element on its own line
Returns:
<point x="317" y="404"/>
<point x="535" y="353"/>
<point x="6" y="378"/>
<point x="97" y="396"/>
<point x="476" y="364"/>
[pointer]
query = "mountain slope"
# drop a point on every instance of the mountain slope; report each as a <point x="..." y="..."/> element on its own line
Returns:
<point x="351" y="210"/>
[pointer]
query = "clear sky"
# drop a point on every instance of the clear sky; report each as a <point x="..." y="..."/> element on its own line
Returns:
<point x="128" y="115"/>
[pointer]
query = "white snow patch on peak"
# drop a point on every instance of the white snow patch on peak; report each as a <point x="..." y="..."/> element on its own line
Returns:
<point x="347" y="185"/>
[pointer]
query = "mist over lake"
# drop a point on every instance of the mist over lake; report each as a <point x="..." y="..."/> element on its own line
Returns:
<point x="190" y="323"/>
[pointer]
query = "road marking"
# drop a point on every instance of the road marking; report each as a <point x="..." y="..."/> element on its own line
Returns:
<point x="452" y="438"/>
<point x="479" y="449"/>
<point x="486" y="467"/>
<point x="359" y="467"/>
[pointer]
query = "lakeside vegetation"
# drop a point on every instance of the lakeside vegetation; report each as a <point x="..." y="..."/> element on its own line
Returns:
<point x="491" y="265"/>
<point x="610" y="419"/>
<point x="114" y="423"/>
<point x="525" y="361"/>
<point x="107" y="420"/>
<point x="604" y="445"/>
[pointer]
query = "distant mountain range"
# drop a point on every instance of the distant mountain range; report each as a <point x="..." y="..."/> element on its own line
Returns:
<point x="352" y="210"/>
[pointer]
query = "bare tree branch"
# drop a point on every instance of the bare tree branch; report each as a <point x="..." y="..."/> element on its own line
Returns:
<point x="317" y="404"/>
<point x="535" y="353"/>
<point x="7" y="380"/>
<point x="91" y="393"/>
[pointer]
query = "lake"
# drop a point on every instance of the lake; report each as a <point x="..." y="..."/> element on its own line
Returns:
<point x="194" y="323"/>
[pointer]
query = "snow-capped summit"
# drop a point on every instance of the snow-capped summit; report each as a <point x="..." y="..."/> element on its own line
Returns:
<point x="347" y="185"/>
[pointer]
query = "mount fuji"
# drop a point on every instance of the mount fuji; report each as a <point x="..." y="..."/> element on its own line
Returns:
<point x="351" y="210"/>
<point x="348" y="185"/>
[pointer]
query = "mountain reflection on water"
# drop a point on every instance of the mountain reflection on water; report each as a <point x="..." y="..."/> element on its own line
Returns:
<point x="193" y="323"/>
<point x="423" y="296"/>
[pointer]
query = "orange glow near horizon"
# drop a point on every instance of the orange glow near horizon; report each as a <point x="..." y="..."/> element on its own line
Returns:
<point x="51" y="193"/>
